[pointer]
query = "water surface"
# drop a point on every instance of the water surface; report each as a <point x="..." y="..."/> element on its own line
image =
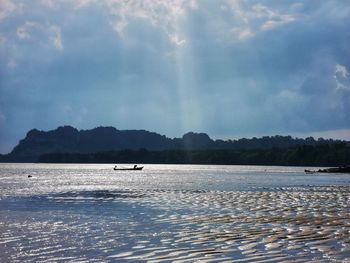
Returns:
<point x="186" y="213"/>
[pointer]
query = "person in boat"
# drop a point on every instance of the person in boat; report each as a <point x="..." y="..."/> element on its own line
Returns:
<point x="135" y="166"/>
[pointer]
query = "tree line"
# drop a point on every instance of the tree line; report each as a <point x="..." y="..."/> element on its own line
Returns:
<point x="337" y="154"/>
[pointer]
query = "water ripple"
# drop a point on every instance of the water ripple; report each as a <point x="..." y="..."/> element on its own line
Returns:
<point x="172" y="225"/>
<point x="187" y="214"/>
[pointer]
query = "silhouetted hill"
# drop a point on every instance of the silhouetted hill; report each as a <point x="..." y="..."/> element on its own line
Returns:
<point x="67" y="139"/>
<point x="193" y="140"/>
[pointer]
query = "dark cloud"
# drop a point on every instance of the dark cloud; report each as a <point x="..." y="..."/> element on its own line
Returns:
<point x="229" y="68"/>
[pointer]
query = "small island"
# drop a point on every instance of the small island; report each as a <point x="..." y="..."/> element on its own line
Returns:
<point x="109" y="145"/>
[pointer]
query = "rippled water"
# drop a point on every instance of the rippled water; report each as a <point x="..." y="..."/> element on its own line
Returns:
<point x="184" y="213"/>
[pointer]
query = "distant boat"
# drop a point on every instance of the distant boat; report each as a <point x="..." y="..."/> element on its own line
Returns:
<point x="309" y="171"/>
<point x="135" y="168"/>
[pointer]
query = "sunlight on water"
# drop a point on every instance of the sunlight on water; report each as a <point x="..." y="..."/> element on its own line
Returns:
<point x="181" y="213"/>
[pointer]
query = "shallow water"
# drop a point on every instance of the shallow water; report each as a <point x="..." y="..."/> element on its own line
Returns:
<point x="184" y="213"/>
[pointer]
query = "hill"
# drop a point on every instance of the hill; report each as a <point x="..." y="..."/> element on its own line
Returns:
<point x="69" y="140"/>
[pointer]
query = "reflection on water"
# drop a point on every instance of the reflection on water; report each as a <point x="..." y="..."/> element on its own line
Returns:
<point x="172" y="213"/>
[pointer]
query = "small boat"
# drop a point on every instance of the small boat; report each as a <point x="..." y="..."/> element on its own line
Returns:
<point x="135" y="168"/>
<point x="309" y="171"/>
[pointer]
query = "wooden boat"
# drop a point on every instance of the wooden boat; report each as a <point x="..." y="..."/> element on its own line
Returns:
<point x="309" y="171"/>
<point x="135" y="168"/>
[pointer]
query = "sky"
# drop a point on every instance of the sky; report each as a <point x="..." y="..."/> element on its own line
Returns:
<point x="229" y="68"/>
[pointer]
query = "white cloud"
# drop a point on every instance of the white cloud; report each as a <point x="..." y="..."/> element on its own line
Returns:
<point x="341" y="70"/>
<point x="52" y="32"/>
<point x="242" y="33"/>
<point x="119" y="26"/>
<point x="83" y="3"/>
<point x="23" y="30"/>
<point x="177" y="40"/>
<point x="56" y="37"/>
<point x="239" y="13"/>
<point x="260" y="10"/>
<point x="281" y="20"/>
<point x="6" y="8"/>
<point x="250" y="20"/>
<point x="22" y="33"/>
<point x="163" y="14"/>
<point x="341" y="75"/>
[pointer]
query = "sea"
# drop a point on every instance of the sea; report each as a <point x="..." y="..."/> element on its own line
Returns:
<point x="172" y="213"/>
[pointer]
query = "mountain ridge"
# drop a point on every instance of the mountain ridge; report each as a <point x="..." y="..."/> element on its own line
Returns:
<point x="67" y="139"/>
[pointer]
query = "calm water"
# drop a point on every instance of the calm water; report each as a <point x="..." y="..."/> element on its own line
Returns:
<point x="185" y="213"/>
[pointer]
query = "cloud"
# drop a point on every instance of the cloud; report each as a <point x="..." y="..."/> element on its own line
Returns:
<point x="165" y="15"/>
<point x="277" y="22"/>
<point x="255" y="19"/>
<point x="242" y="33"/>
<point x="226" y="67"/>
<point x="51" y="32"/>
<point x="83" y="3"/>
<point x="341" y="78"/>
<point x="341" y="70"/>
<point x="23" y="30"/>
<point x="177" y="40"/>
<point x="7" y="7"/>
<point x="55" y="36"/>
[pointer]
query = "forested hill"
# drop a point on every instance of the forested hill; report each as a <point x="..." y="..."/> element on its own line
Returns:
<point x="69" y="140"/>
